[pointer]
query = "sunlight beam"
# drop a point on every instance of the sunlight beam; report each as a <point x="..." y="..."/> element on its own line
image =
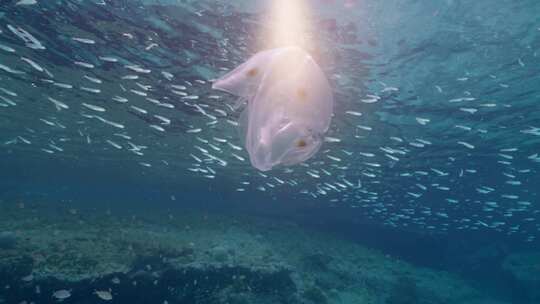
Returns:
<point x="289" y="24"/>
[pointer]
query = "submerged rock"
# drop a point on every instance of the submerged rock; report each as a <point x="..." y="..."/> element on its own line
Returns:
<point x="220" y="253"/>
<point x="217" y="261"/>
<point x="525" y="269"/>
<point x="8" y="240"/>
<point x="404" y="291"/>
<point x="315" y="295"/>
<point x="14" y="266"/>
<point x="318" y="261"/>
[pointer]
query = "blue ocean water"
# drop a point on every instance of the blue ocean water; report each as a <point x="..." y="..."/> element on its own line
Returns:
<point x="107" y="117"/>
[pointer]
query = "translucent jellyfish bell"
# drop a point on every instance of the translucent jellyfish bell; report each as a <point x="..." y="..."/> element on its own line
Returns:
<point x="289" y="106"/>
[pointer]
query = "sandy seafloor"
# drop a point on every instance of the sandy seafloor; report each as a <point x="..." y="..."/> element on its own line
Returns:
<point x="197" y="257"/>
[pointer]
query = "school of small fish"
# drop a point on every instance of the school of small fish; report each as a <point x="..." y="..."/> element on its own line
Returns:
<point x="459" y="151"/>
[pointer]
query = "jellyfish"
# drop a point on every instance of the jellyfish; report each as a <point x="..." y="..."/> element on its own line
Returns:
<point x="289" y="106"/>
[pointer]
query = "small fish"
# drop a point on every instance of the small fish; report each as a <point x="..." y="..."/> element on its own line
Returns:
<point x="58" y="104"/>
<point x="234" y="123"/>
<point x="439" y="172"/>
<point x="50" y="123"/>
<point x="202" y="140"/>
<point x="26" y="2"/>
<point x="83" y="40"/>
<point x="354" y="113"/>
<point x="461" y="99"/>
<point x="391" y="157"/>
<point x="469" y="110"/>
<point x="63" y="85"/>
<point x="366" y="154"/>
<point x="137" y="69"/>
<point x="240" y="158"/>
<point x="8" y="92"/>
<point x="370" y="99"/>
<point x="36" y="66"/>
<point x="55" y="147"/>
<point x="120" y="99"/>
<point x="423" y="141"/>
<point x="156" y="127"/>
<point x="331" y="139"/>
<point x="422" y="121"/>
<point x="62" y="294"/>
<point x="103" y="294"/>
<point x="463" y="127"/>
<point x="151" y="46"/>
<point x="234" y="146"/>
<point x="10" y="70"/>
<point x="215" y="148"/>
<point x="505" y="156"/>
<point x="8" y="101"/>
<point x="201" y="149"/>
<point x="167" y="75"/>
<point x="140" y="110"/>
<point x="108" y="59"/>
<point x="112" y="143"/>
<point x="24" y="140"/>
<point x="93" y="107"/>
<point x="178" y="87"/>
<point x="111" y="123"/>
<point x="29" y="40"/>
<point x="415" y="195"/>
<point x="164" y="120"/>
<point x="93" y="79"/>
<point x="221" y="112"/>
<point x="510" y="196"/>
<point x="465" y="144"/>
<point x="166" y="105"/>
<point x="84" y="64"/>
<point x="333" y="158"/>
<point x="364" y="127"/>
<point x="313" y="174"/>
<point x="140" y="93"/>
<point x="144" y="87"/>
<point x="390" y="89"/>
<point x="195" y="158"/>
<point x="90" y="90"/>
<point x="192" y="97"/>
<point x="6" y="48"/>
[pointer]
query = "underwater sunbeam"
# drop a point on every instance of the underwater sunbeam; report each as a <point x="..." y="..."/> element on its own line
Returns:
<point x="289" y="24"/>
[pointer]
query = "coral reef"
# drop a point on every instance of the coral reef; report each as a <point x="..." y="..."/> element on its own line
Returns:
<point x="190" y="257"/>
